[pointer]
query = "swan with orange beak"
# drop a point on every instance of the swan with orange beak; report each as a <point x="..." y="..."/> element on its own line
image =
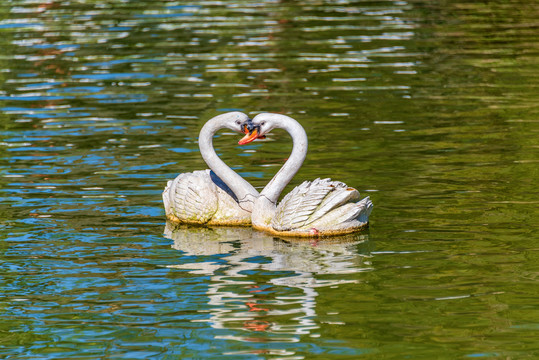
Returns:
<point x="321" y="207"/>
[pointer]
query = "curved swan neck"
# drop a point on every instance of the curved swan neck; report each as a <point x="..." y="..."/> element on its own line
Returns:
<point x="245" y="192"/>
<point x="299" y="151"/>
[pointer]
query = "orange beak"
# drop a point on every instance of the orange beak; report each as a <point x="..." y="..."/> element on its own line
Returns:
<point x="249" y="137"/>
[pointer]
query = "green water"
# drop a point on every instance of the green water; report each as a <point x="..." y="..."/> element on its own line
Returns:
<point x="430" y="108"/>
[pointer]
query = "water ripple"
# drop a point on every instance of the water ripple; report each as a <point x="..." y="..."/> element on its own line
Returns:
<point x="429" y="107"/>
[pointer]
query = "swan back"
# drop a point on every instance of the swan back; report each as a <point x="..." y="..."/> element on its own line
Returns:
<point x="193" y="197"/>
<point x="311" y="201"/>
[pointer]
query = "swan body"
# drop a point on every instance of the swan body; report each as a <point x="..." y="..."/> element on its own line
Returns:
<point x="200" y="197"/>
<point x="212" y="197"/>
<point x="314" y="208"/>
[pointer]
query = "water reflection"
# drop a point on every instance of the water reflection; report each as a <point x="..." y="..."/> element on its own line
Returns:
<point x="264" y="283"/>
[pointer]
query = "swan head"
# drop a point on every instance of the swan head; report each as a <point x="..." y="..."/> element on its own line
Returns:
<point x="261" y="124"/>
<point x="251" y="132"/>
<point x="233" y="120"/>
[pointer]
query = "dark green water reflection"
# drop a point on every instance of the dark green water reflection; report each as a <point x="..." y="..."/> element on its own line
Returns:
<point x="428" y="107"/>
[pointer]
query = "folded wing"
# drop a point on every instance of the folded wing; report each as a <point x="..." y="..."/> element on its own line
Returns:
<point x="192" y="197"/>
<point x="320" y="204"/>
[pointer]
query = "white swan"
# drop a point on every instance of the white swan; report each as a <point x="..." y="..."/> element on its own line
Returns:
<point x="216" y="197"/>
<point x="315" y="208"/>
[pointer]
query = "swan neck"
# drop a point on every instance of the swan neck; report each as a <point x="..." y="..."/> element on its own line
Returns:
<point x="245" y="192"/>
<point x="294" y="162"/>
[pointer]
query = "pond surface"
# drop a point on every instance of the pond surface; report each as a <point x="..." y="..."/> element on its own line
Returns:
<point x="430" y="108"/>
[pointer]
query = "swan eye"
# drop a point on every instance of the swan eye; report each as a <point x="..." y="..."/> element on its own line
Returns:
<point x="262" y="123"/>
<point x="238" y="122"/>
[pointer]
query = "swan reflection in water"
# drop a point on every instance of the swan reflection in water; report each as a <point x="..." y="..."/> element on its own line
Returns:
<point x="260" y="282"/>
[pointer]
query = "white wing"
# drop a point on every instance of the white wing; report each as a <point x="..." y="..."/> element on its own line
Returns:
<point x="348" y="216"/>
<point x="298" y="205"/>
<point x="192" y="197"/>
<point x="321" y="204"/>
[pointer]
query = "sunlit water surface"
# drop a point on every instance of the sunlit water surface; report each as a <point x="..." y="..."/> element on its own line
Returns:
<point x="428" y="107"/>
